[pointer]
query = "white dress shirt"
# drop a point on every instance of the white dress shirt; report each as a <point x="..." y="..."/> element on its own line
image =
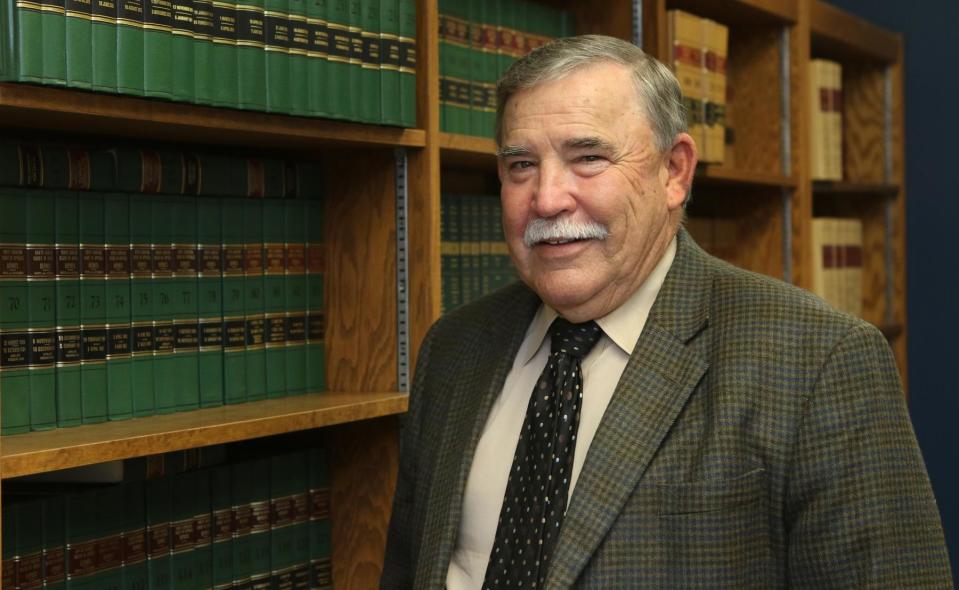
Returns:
<point x="602" y="368"/>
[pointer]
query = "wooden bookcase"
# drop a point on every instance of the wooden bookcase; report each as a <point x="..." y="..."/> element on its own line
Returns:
<point x="372" y="339"/>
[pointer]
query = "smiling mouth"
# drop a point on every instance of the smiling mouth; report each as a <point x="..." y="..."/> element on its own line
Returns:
<point x="561" y="241"/>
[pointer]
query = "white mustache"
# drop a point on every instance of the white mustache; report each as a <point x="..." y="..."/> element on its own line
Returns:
<point x="543" y="230"/>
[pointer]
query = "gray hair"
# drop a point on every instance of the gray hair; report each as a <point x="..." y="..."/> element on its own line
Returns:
<point x="656" y="85"/>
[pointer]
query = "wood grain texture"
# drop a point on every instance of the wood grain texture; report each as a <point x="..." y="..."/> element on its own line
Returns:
<point x="60" y="109"/>
<point x="802" y="198"/>
<point x="900" y="274"/>
<point x="742" y="12"/>
<point x="361" y="333"/>
<point x="863" y="138"/>
<point x="604" y="18"/>
<point x="839" y="35"/>
<point x="39" y="452"/>
<point x="710" y="175"/>
<point x="365" y="459"/>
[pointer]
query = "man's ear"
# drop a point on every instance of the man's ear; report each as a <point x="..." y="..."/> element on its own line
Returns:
<point x="680" y="167"/>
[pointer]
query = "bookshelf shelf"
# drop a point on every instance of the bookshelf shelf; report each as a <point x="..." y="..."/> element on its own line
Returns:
<point x="75" y="111"/>
<point x="39" y="452"/>
<point x="723" y="176"/>
<point x="736" y="12"/>
<point x="839" y="35"/>
<point x="854" y="189"/>
<point x="467" y="152"/>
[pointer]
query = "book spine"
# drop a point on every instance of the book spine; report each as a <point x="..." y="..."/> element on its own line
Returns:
<point x="288" y="514"/>
<point x="158" y="48"/>
<point x="142" y="308"/>
<point x="164" y="308"/>
<point x="67" y="293"/>
<point x="224" y="54"/>
<point x="407" y="40"/>
<point x="93" y="336"/>
<point x="158" y="494"/>
<point x="299" y="49"/>
<point x="14" y="314"/>
<point x="210" y="303"/>
<point x="319" y="58"/>
<point x="342" y="102"/>
<point x="277" y="48"/>
<point x="370" y="61"/>
<point x="203" y="65"/>
<point x="233" y="285"/>
<point x="274" y="287"/>
<point x="296" y="288"/>
<point x="185" y="324"/>
<point x="321" y="550"/>
<point x="79" y="43"/>
<point x="134" y="536"/>
<point x="260" y="523"/>
<point x="54" y="54"/>
<point x="103" y="35"/>
<point x="129" y="46"/>
<point x="41" y="287"/>
<point x="118" y="310"/>
<point x="108" y="572"/>
<point x="183" y="532"/>
<point x="316" y="316"/>
<point x="390" y="100"/>
<point x="255" y="364"/>
<point x="251" y="57"/>
<point x="183" y="45"/>
<point x="224" y="527"/>
<point x="242" y="484"/>
<point x="54" y="542"/>
<point x="355" y="76"/>
<point x="203" y="531"/>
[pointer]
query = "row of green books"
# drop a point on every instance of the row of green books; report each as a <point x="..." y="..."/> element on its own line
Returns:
<point x="118" y="305"/>
<point x="258" y="523"/>
<point x="474" y="259"/>
<point x="479" y="39"/>
<point x="345" y="59"/>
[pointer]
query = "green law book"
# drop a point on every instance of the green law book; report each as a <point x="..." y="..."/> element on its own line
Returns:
<point x="210" y="301"/>
<point x="274" y="291"/>
<point x="79" y="43"/>
<point x="23" y="43"/>
<point x="80" y="511"/>
<point x="277" y="47"/>
<point x="321" y="550"/>
<point x="142" y="378"/>
<point x="54" y="542"/>
<point x="355" y="32"/>
<point x="129" y="47"/>
<point x="41" y="288"/>
<point x="241" y="477"/>
<point x="296" y="295"/>
<point x="164" y="303"/>
<point x="67" y="293"/>
<point x="289" y="529"/>
<point x="135" y="575"/>
<point x="450" y="244"/>
<point x="299" y="49"/>
<point x="93" y="316"/>
<point x="182" y="46"/>
<point x="316" y="310"/>
<point x="158" y="494"/>
<point x="29" y="541"/>
<point x="506" y="39"/>
<point x="186" y="335"/>
<point x="251" y="57"/>
<point x="204" y="74"/>
<point x="183" y="572"/>
<point x="221" y="500"/>
<point x="54" y="39"/>
<point x="118" y="306"/>
<point x="158" y="48"/>
<point x="234" y="292"/>
<point x="109" y="535"/>
<point x="254" y="304"/>
<point x="390" y="100"/>
<point x="14" y="313"/>
<point x="103" y="35"/>
<point x="454" y="66"/>
<point x="319" y="58"/>
<point x="203" y="531"/>
<point x="259" y="495"/>
<point x="485" y="252"/>
<point x="485" y="74"/>
<point x="371" y="60"/>
<point x="223" y="53"/>
<point x="342" y="102"/>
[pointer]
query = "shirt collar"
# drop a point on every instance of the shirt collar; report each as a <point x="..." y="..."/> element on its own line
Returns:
<point x="623" y="325"/>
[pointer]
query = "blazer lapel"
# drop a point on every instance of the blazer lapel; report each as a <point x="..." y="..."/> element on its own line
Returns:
<point x="659" y="377"/>
<point x="480" y="380"/>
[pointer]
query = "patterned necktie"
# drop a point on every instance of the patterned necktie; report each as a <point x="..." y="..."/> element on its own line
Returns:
<point x="538" y="486"/>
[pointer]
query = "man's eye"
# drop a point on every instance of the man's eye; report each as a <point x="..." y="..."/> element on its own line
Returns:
<point x="520" y="165"/>
<point x="590" y="158"/>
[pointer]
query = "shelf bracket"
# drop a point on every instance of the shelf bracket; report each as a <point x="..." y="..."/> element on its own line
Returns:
<point x="402" y="273"/>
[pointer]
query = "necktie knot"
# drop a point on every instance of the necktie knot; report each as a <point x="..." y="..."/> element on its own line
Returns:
<point x="575" y="340"/>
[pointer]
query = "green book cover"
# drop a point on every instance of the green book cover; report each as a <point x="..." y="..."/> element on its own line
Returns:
<point x="371" y="62"/>
<point x="142" y="377"/>
<point x="290" y="522"/>
<point x="29" y="542"/>
<point x="79" y="43"/>
<point x="319" y="58"/>
<point x="93" y="334"/>
<point x="118" y="308"/>
<point x="254" y="304"/>
<point x="129" y="46"/>
<point x="54" y="39"/>
<point x="164" y="303"/>
<point x="321" y="549"/>
<point x="54" y="542"/>
<point x="224" y="54"/>
<point x="14" y="313"/>
<point x="355" y="79"/>
<point x="158" y="48"/>
<point x="204" y="74"/>
<point x="274" y="302"/>
<point x="81" y="536"/>
<point x="67" y="293"/>
<point x="296" y="295"/>
<point x="210" y="302"/>
<point x="41" y="286"/>
<point x="299" y="50"/>
<point x="203" y="531"/>
<point x="407" y="13"/>
<point x="103" y="34"/>
<point x="485" y="72"/>
<point x="487" y="269"/>
<point x="182" y="46"/>
<point x="259" y="486"/>
<point x="277" y="47"/>
<point x="506" y="37"/>
<point x="251" y="56"/>
<point x="390" y="100"/>
<point x="241" y="477"/>
<point x="186" y="335"/>
<point x="234" y="292"/>
<point x="133" y="512"/>
<point x="109" y="535"/>
<point x="23" y="42"/>
<point x="183" y="530"/>
<point x="221" y="499"/>
<point x="454" y="63"/>
<point x="316" y="311"/>
<point x="8" y="537"/>
<point x="158" y="494"/>
<point x="342" y="102"/>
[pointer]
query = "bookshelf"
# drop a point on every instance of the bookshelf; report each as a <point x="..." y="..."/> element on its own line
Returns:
<point x="374" y="327"/>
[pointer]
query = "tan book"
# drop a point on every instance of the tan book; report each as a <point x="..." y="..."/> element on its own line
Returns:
<point x="686" y="60"/>
<point x="716" y="42"/>
<point x="819" y="100"/>
<point x="852" y="266"/>
<point x="835" y="120"/>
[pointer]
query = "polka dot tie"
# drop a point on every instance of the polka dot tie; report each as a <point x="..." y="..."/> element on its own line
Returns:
<point x="538" y="486"/>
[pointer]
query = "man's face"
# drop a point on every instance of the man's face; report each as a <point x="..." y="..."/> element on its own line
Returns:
<point x="580" y="150"/>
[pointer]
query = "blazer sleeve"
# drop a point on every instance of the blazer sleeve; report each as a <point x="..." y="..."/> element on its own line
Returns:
<point x="859" y="506"/>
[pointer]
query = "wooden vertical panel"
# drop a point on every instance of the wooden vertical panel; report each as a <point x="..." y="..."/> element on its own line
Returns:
<point x="863" y="86"/>
<point x="365" y="458"/>
<point x="360" y="285"/>
<point x="802" y="158"/>
<point x="900" y="344"/>
<point x="604" y="18"/>
<point x="655" y="36"/>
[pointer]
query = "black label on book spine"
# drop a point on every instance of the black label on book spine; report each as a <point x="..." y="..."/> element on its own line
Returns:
<point x="143" y="339"/>
<point x="254" y="331"/>
<point x="30" y="571"/>
<point x="15" y="351"/>
<point x="67" y="261"/>
<point x="235" y="334"/>
<point x="163" y="338"/>
<point x="118" y="261"/>
<point x="408" y="55"/>
<point x="130" y="12"/>
<point x="13" y="261"/>
<point x="224" y="23"/>
<point x="211" y="335"/>
<point x="276" y="331"/>
<point x="105" y="11"/>
<point x="390" y="50"/>
<point x="134" y="547"/>
<point x="299" y="36"/>
<point x="319" y="39"/>
<point x="68" y="346"/>
<point x="356" y="45"/>
<point x="118" y="341"/>
<point x="186" y="336"/>
<point x="92" y="261"/>
<point x="340" y="44"/>
<point x="43" y="348"/>
<point x="55" y="564"/>
<point x="277" y="31"/>
<point x="203" y="19"/>
<point x="93" y="344"/>
<point x="41" y="261"/>
<point x="79" y="7"/>
<point x="250" y="29"/>
<point x="296" y="329"/>
<point x="157" y="14"/>
<point x="316" y="326"/>
<point x="183" y="16"/>
<point x="370" y="53"/>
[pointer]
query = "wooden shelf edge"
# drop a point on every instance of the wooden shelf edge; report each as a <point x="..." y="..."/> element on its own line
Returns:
<point x="64" y="109"/>
<point x="836" y="28"/>
<point x="713" y="175"/>
<point x="828" y="187"/>
<point x="39" y="452"/>
<point x="734" y="12"/>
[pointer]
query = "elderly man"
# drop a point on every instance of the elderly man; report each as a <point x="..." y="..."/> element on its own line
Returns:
<point x="635" y="413"/>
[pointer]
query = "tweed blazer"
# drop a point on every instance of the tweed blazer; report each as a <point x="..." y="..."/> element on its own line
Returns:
<point x="756" y="439"/>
